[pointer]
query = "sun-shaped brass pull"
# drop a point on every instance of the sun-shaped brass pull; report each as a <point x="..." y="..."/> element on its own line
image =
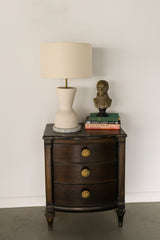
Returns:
<point x="85" y="194"/>
<point x="85" y="172"/>
<point x="85" y="152"/>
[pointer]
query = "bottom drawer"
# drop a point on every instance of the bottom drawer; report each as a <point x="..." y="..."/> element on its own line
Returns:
<point x="85" y="195"/>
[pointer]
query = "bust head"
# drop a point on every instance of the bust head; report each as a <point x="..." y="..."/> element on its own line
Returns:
<point x="102" y="100"/>
<point x="102" y="87"/>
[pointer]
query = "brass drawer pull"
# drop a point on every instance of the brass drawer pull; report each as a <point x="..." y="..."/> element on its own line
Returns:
<point x="85" y="152"/>
<point x="85" y="172"/>
<point x="85" y="194"/>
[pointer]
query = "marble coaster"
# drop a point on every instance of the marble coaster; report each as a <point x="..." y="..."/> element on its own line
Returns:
<point x="67" y="130"/>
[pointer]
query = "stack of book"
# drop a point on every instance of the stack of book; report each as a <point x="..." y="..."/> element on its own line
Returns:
<point x="112" y="121"/>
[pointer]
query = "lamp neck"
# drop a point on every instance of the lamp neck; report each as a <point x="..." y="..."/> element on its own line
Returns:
<point x="66" y="82"/>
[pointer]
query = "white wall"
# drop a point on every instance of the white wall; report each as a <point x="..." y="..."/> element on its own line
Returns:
<point x="125" y="35"/>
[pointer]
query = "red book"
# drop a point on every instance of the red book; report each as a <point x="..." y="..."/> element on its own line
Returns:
<point x="102" y="126"/>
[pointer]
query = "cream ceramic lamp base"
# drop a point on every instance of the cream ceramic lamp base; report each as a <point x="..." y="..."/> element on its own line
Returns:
<point x="66" y="119"/>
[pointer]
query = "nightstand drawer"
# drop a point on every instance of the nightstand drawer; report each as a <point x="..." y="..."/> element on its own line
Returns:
<point x="84" y="195"/>
<point x="102" y="150"/>
<point x="71" y="173"/>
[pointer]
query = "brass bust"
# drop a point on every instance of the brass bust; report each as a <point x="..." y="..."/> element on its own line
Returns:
<point x="102" y="100"/>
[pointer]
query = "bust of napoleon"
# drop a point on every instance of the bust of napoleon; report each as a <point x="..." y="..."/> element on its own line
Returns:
<point x="102" y="100"/>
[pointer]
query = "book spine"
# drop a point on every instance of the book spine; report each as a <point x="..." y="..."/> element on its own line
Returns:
<point x="102" y="122"/>
<point x="102" y="126"/>
<point x="112" y="115"/>
<point x="103" y="119"/>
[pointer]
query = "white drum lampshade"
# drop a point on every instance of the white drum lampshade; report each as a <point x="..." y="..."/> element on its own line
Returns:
<point x="63" y="60"/>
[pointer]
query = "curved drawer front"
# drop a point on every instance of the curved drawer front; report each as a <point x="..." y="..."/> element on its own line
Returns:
<point x="84" y="195"/>
<point x="104" y="150"/>
<point x="85" y="173"/>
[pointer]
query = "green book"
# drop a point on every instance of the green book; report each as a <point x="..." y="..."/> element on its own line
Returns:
<point x="112" y="117"/>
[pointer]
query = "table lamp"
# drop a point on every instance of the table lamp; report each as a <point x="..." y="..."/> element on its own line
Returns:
<point x="63" y="60"/>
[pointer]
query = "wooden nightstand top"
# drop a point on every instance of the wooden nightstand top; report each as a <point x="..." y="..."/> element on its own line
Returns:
<point x="49" y="133"/>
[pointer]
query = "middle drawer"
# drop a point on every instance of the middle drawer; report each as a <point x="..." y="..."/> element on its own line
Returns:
<point x="85" y="173"/>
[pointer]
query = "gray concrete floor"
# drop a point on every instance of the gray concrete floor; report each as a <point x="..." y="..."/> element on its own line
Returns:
<point x="141" y="221"/>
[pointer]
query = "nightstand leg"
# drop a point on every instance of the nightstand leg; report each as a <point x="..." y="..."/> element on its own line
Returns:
<point x="120" y="213"/>
<point x="50" y="213"/>
<point x="49" y="183"/>
<point x="121" y="180"/>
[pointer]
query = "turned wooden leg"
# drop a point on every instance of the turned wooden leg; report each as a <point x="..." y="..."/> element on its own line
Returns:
<point x="120" y="214"/>
<point x="49" y="183"/>
<point x="50" y="217"/>
<point x="121" y="180"/>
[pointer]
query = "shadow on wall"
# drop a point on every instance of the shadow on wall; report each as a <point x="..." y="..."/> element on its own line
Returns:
<point x="83" y="102"/>
<point x="100" y="61"/>
<point x="112" y="65"/>
<point x="107" y="61"/>
<point x="107" y="64"/>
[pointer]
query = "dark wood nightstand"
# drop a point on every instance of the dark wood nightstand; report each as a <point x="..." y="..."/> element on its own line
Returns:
<point x="85" y="171"/>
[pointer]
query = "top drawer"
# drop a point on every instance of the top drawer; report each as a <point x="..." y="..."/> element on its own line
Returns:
<point x="84" y="151"/>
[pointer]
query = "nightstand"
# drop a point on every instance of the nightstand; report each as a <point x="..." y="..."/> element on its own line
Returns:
<point x="84" y="171"/>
